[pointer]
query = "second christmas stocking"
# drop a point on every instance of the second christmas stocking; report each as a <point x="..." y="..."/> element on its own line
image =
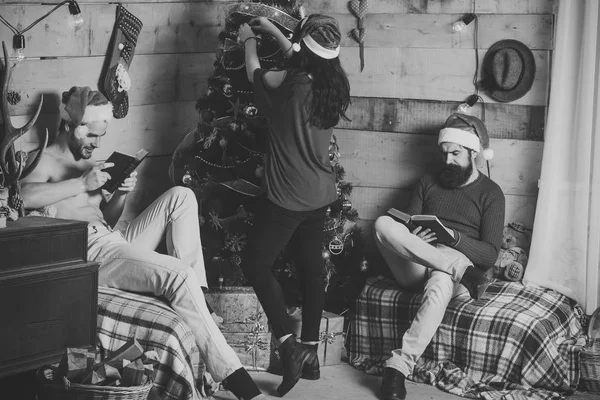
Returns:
<point x="117" y="80"/>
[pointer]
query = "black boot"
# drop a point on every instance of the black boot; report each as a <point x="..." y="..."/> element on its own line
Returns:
<point x="312" y="371"/>
<point x="476" y="281"/>
<point x="392" y="385"/>
<point x="293" y="358"/>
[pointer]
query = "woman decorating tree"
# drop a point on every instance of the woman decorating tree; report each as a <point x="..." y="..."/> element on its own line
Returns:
<point x="302" y="103"/>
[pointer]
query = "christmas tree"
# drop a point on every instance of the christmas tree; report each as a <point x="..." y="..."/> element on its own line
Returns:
<point x="222" y="158"/>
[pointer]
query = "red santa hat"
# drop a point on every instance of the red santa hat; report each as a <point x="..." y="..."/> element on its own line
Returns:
<point x="81" y="105"/>
<point x="467" y="131"/>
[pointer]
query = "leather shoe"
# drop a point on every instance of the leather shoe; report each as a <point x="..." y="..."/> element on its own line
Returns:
<point x="392" y="385"/>
<point x="294" y="356"/>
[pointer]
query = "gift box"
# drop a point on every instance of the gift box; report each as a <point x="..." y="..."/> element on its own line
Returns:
<point x="245" y="324"/>
<point x="331" y="339"/>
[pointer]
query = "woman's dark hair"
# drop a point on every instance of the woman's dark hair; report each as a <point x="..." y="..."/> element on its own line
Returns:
<point x="330" y="87"/>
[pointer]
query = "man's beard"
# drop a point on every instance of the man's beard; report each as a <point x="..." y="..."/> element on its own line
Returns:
<point x="81" y="152"/>
<point x="452" y="176"/>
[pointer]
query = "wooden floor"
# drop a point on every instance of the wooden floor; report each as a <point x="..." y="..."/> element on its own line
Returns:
<point x="342" y="382"/>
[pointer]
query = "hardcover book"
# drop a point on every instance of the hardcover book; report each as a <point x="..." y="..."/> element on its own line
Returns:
<point x="431" y="222"/>
<point x="124" y="165"/>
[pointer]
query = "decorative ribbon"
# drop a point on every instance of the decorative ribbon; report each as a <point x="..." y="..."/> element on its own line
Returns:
<point x="261" y="10"/>
<point x="254" y="342"/>
<point x="328" y="337"/>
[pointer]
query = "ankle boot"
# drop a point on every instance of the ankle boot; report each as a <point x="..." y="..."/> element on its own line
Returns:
<point x="293" y="358"/>
<point x="311" y="371"/>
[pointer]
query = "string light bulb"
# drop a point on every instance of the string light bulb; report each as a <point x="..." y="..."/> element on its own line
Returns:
<point x="19" y="47"/>
<point x="463" y="22"/>
<point x="467" y="106"/>
<point x="75" y="11"/>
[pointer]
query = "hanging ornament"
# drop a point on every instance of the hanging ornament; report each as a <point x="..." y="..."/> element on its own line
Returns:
<point x="234" y="126"/>
<point x="201" y="220"/>
<point x="223" y="143"/>
<point x="338" y="190"/>
<point x="326" y="255"/>
<point x="259" y="172"/>
<point x="207" y="115"/>
<point x="364" y="265"/>
<point x="250" y="110"/>
<point x="228" y="90"/>
<point x="346" y="205"/>
<point x="235" y="242"/>
<point x="359" y="9"/>
<point x="236" y="260"/>
<point x="331" y="156"/>
<point x="13" y="97"/>
<point x="328" y="212"/>
<point x="186" y="179"/>
<point x="336" y="246"/>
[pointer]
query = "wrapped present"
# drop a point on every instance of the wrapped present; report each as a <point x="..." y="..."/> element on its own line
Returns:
<point x="331" y="339"/>
<point x="245" y="324"/>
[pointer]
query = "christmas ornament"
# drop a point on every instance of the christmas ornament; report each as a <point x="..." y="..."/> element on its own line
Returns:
<point x="207" y="115"/>
<point x="228" y="90"/>
<point x="328" y="212"/>
<point x="236" y="260"/>
<point x="364" y="265"/>
<point x="250" y="110"/>
<point x="234" y="126"/>
<point x="13" y="98"/>
<point x="235" y="242"/>
<point x="259" y="172"/>
<point x="359" y="9"/>
<point x="117" y="80"/>
<point x="261" y="10"/>
<point x="223" y="142"/>
<point x="201" y="220"/>
<point x="326" y="255"/>
<point x="15" y="201"/>
<point x="186" y="179"/>
<point x="346" y="205"/>
<point x="236" y="108"/>
<point x="336" y="246"/>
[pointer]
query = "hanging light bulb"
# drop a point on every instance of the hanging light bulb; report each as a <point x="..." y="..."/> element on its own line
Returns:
<point x="463" y="22"/>
<point x="467" y="106"/>
<point x="19" y="47"/>
<point x="75" y="11"/>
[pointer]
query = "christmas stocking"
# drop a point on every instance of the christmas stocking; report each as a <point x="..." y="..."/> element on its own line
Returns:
<point x="117" y="81"/>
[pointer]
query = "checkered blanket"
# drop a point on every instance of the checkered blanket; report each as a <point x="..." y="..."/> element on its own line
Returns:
<point x="516" y="342"/>
<point x="122" y="316"/>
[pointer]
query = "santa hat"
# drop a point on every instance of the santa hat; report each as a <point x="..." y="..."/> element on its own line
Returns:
<point x="467" y="131"/>
<point x="321" y="34"/>
<point x="81" y="105"/>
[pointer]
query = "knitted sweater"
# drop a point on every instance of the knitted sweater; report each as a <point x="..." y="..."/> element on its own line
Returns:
<point x="475" y="212"/>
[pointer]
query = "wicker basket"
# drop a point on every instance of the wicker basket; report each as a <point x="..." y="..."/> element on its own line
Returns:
<point x="589" y="361"/>
<point x="50" y="390"/>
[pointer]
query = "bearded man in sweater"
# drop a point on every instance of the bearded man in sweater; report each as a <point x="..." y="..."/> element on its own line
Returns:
<point x="471" y="205"/>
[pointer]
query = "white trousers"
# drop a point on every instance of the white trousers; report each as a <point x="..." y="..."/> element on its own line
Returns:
<point x="129" y="262"/>
<point x="418" y="265"/>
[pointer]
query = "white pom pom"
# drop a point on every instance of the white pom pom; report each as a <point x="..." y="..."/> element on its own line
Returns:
<point x="296" y="47"/>
<point x="488" y="154"/>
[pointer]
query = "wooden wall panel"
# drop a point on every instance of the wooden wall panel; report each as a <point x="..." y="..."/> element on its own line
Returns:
<point x="504" y="121"/>
<point x="440" y="74"/>
<point x="158" y="78"/>
<point x="395" y="160"/>
<point x="388" y="6"/>
<point x="157" y="127"/>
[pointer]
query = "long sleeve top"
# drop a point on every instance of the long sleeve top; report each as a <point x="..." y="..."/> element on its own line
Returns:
<point x="475" y="212"/>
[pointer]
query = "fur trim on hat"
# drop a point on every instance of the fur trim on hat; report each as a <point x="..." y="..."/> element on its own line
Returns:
<point x="103" y="112"/>
<point x="459" y="136"/>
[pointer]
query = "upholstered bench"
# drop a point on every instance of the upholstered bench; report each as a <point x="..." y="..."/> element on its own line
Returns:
<point x="514" y="339"/>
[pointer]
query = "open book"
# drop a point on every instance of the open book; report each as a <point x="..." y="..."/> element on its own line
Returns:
<point x="443" y="234"/>
<point x="124" y="166"/>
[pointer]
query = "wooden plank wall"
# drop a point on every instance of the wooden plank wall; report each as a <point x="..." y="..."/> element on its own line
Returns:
<point x="417" y="71"/>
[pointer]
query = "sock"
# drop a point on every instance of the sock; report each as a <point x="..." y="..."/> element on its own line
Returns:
<point x="476" y="281"/>
<point x="283" y="339"/>
<point x="240" y="383"/>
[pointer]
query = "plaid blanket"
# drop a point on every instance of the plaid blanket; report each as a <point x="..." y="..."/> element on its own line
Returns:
<point x="516" y="342"/>
<point x="123" y="315"/>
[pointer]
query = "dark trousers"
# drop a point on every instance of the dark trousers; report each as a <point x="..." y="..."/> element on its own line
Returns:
<point x="273" y="228"/>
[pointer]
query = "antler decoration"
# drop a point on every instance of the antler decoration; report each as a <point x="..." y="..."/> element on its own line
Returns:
<point x="12" y="164"/>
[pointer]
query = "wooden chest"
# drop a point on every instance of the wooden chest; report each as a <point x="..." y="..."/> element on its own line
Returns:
<point x="48" y="292"/>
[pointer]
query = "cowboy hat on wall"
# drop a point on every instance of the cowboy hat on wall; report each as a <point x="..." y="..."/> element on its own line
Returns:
<point x="508" y="70"/>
